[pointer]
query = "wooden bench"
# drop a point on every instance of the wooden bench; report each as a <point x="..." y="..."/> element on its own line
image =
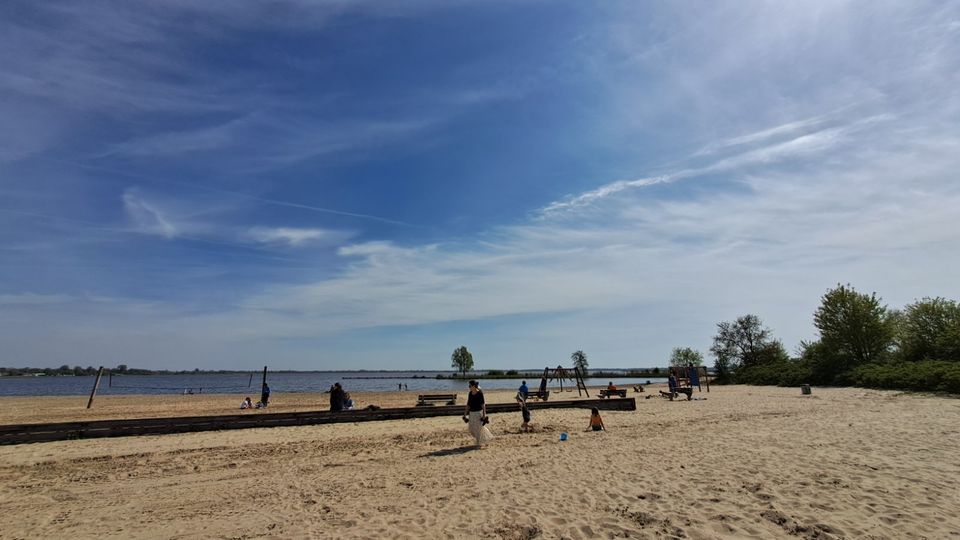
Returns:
<point x="426" y="399"/>
<point x="676" y="393"/>
<point x="607" y="393"/>
<point x="537" y="394"/>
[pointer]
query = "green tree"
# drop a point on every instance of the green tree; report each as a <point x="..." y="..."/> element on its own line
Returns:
<point x="855" y="329"/>
<point x="744" y="342"/>
<point x="461" y="360"/>
<point x="685" y="356"/>
<point x="929" y="329"/>
<point x="579" y="359"/>
<point x="122" y="368"/>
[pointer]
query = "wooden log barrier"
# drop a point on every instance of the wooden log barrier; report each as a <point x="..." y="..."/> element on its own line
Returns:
<point x="28" y="433"/>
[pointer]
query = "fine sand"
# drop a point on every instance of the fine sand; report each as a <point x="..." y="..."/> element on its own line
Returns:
<point x="747" y="462"/>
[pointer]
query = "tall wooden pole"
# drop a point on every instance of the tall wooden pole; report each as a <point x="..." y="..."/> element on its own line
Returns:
<point x="96" y="384"/>
<point x="264" y="376"/>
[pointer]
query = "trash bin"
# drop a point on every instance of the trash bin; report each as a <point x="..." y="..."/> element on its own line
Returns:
<point x="805" y="389"/>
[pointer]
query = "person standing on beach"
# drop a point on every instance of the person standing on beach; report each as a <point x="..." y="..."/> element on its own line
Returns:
<point x="523" y="390"/>
<point x="476" y="414"/>
<point x="264" y="395"/>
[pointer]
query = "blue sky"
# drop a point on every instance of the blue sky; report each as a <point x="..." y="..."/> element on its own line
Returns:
<point x="341" y="185"/>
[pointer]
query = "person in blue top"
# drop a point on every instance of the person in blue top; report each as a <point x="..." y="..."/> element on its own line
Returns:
<point x="523" y="390"/>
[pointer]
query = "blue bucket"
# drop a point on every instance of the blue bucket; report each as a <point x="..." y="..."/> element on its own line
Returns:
<point x="563" y="436"/>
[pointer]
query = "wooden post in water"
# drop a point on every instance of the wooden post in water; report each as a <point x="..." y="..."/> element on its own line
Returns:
<point x="96" y="384"/>
<point x="264" y="376"/>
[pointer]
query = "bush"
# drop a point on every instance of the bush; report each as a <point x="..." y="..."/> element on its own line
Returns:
<point x="923" y="376"/>
<point x="780" y="373"/>
<point x="495" y="373"/>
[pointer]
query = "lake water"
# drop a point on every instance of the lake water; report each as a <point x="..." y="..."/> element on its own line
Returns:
<point x="279" y="383"/>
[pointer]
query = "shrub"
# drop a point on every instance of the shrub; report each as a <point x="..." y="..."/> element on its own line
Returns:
<point x="924" y="376"/>
<point x="781" y="373"/>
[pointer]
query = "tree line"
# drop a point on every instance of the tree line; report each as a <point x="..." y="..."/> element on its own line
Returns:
<point x="122" y="369"/>
<point x="861" y="343"/>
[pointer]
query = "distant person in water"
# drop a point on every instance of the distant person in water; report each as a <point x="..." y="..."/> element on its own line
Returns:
<point x="264" y="395"/>
<point x="596" y="423"/>
<point x="246" y="404"/>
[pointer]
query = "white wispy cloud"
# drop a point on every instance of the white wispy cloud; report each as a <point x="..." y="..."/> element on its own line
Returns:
<point x="291" y="235"/>
<point x="146" y="217"/>
<point x="799" y="146"/>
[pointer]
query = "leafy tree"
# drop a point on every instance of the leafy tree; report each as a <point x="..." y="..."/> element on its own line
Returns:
<point x="579" y="359"/>
<point x="743" y="343"/>
<point x="685" y="356"/>
<point x="855" y="329"/>
<point x="122" y="368"/>
<point x="929" y="329"/>
<point x="462" y="360"/>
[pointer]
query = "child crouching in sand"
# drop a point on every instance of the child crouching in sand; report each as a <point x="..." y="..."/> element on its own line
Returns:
<point x="596" y="423"/>
<point x="525" y="414"/>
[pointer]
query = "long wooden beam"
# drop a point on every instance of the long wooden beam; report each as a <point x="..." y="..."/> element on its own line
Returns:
<point x="28" y="433"/>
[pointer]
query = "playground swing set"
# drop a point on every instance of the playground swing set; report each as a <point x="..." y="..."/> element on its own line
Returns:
<point x="560" y="373"/>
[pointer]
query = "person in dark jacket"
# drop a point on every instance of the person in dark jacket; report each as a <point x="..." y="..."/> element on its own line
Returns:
<point x="336" y="397"/>
<point x="264" y="395"/>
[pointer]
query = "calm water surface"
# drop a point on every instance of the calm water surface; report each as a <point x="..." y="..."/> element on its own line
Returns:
<point x="279" y="383"/>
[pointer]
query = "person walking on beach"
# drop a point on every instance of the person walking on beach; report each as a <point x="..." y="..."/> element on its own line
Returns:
<point x="523" y="390"/>
<point x="476" y="415"/>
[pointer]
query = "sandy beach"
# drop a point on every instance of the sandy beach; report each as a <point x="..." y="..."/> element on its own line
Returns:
<point x="747" y="462"/>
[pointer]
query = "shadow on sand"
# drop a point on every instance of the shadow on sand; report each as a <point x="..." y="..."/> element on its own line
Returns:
<point x="450" y="451"/>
